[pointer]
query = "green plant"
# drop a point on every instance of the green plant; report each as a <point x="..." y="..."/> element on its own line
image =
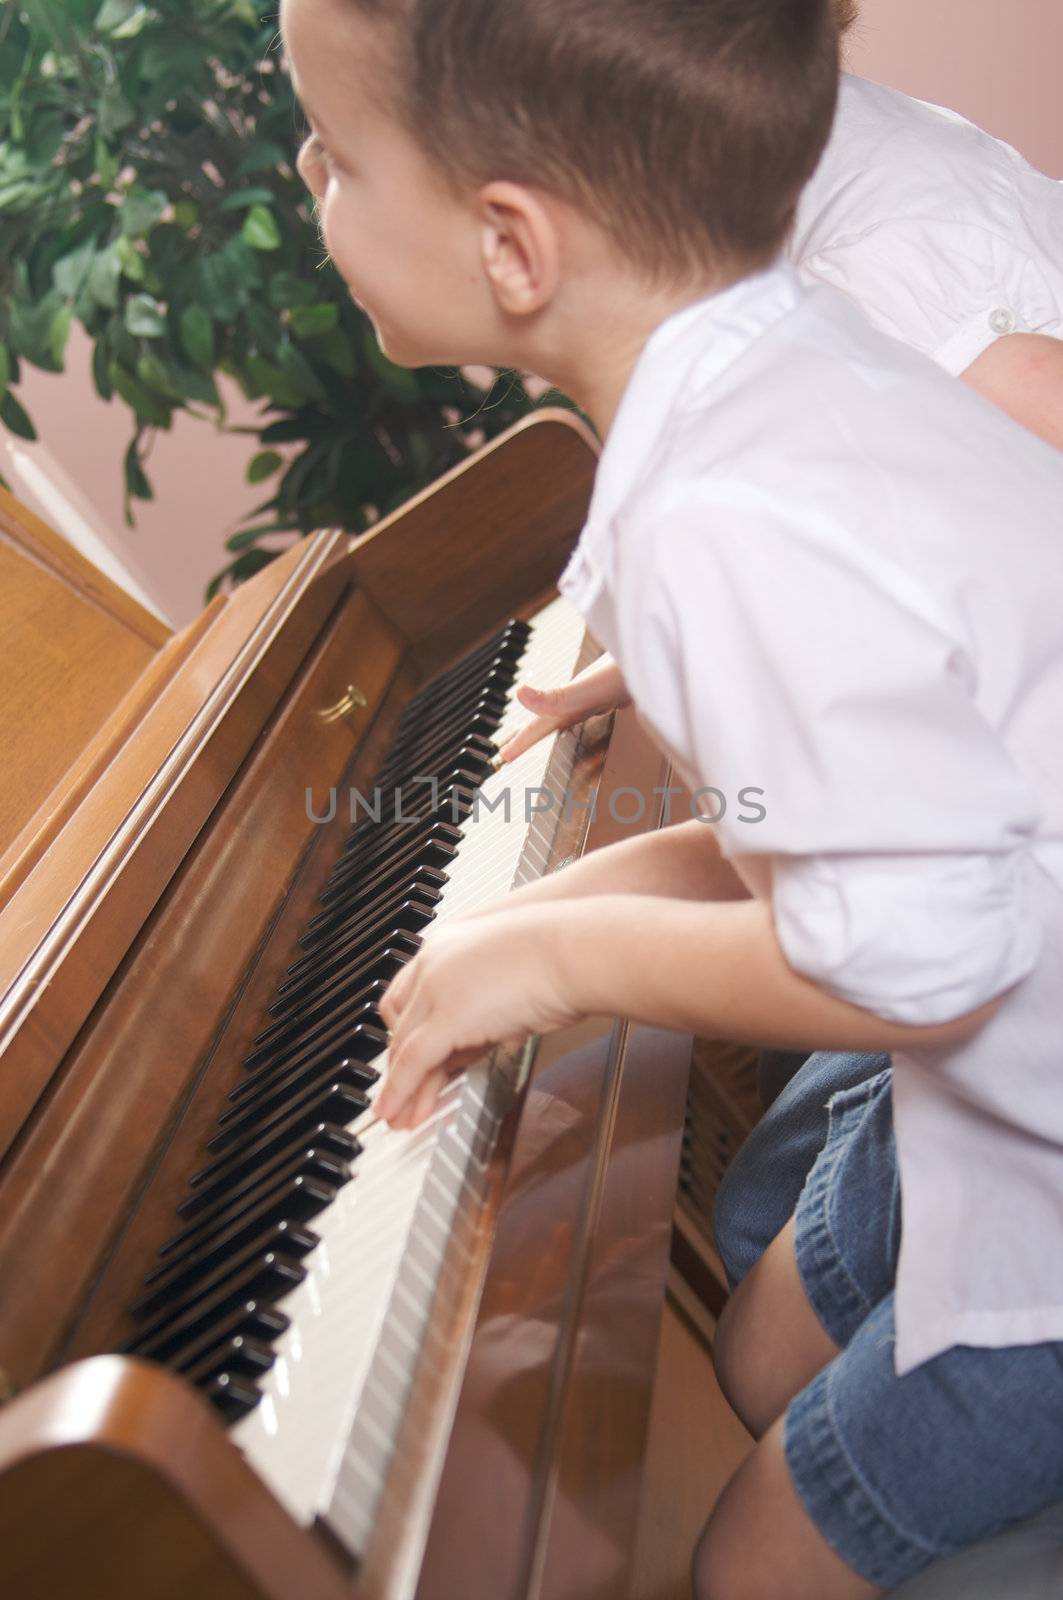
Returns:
<point x="147" y="190"/>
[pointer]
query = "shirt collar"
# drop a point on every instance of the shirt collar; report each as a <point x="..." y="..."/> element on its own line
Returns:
<point x="684" y="353"/>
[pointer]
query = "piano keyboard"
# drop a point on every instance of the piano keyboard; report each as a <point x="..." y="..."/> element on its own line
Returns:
<point x="298" y="1292"/>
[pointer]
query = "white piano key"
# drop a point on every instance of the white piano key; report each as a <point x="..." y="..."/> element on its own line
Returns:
<point x="323" y="1433"/>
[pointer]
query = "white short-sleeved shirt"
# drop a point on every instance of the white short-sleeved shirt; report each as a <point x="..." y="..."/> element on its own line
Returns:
<point x="904" y="720"/>
<point x="944" y="236"/>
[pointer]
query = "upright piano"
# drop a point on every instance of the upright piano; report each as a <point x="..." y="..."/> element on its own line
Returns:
<point x="254" y="1345"/>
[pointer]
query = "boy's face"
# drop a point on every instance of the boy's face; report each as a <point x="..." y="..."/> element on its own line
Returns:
<point x="407" y="249"/>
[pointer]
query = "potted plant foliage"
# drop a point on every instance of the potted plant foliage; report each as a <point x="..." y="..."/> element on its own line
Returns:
<point x="148" y="191"/>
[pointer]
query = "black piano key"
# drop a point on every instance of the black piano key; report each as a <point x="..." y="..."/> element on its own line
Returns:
<point x="415" y="848"/>
<point x="321" y="1001"/>
<point x="306" y="1079"/>
<point x="335" y="980"/>
<point x="438" y="756"/>
<point x="251" y="1319"/>
<point x="300" y="1157"/>
<point x="435" y="846"/>
<point x="347" y="1050"/>
<point x="295" y="1200"/>
<point x="200" y="1234"/>
<point x="369" y="890"/>
<point x="230" y="1173"/>
<point x="442" y="752"/>
<point x="332" y="1101"/>
<point x="441" y="802"/>
<point x="300" y="1060"/>
<point x="252" y="1289"/>
<point x="234" y="1397"/>
<point x="480" y="709"/>
<point x="510" y="641"/>
<point x="395" y="925"/>
<point x="411" y="915"/>
<point x="172" y="1296"/>
<point x="240" y="1355"/>
<point x="490" y="677"/>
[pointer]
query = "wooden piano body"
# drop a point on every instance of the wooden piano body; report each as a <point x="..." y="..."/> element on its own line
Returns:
<point x="161" y="859"/>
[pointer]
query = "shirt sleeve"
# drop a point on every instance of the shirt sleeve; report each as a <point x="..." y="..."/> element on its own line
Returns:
<point x="947" y="288"/>
<point x="781" y="657"/>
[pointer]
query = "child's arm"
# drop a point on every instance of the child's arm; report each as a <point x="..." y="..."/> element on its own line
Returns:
<point x="1023" y="374"/>
<point x="712" y="969"/>
<point x="681" y="862"/>
<point x="597" y="688"/>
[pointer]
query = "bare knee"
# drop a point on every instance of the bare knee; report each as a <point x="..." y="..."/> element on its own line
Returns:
<point x="760" y="1544"/>
<point x="769" y="1342"/>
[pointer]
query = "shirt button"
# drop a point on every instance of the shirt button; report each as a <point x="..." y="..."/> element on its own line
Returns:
<point x="1002" y="320"/>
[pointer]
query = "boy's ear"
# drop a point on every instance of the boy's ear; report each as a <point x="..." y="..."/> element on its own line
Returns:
<point x="519" y="246"/>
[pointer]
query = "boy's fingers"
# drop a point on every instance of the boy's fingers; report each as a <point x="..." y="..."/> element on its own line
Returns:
<point x="409" y="1062"/>
<point x="420" y="1106"/>
<point x="525" y="737"/>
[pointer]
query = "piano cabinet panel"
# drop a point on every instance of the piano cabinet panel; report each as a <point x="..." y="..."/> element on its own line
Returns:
<point x="118" y="1483"/>
<point x="90" y="1193"/>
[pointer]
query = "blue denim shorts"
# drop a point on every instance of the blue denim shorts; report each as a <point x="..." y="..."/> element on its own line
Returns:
<point x="897" y="1473"/>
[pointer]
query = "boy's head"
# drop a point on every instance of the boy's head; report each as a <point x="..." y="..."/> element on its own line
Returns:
<point x="682" y="130"/>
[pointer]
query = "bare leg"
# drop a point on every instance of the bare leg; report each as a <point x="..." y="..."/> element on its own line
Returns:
<point x="761" y="1544"/>
<point x="769" y="1342"/>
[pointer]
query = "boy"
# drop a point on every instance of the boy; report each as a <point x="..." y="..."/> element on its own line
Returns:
<point x="595" y="190"/>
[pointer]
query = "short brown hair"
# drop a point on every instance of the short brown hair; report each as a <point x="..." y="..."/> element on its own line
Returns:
<point x="845" y="12"/>
<point x="685" y="129"/>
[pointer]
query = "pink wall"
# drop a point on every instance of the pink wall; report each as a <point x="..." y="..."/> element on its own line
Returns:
<point x="997" y="61"/>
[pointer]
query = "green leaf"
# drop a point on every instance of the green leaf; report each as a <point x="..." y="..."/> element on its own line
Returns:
<point x="15" y="419"/>
<point x="103" y="278"/>
<point x="250" y="562"/>
<point x="197" y="337"/>
<point x="246" y="536"/>
<point x="138" y="486"/>
<point x="193" y="385"/>
<point x="260" y="229"/>
<point x="298" y="370"/>
<point x="18" y="196"/>
<point x="240" y="199"/>
<point x="59" y="333"/>
<point x="263" y="466"/>
<point x="132" y="262"/>
<point x="70" y="272"/>
<point x="132" y="25"/>
<point x="5" y="368"/>
<point x="154" y="375"/>
<point x="140" y="210"/>
<point x="186" y="214"/>
<point x="113" y="13"/>
<point x="144" y="318"/>
<point x="309" y="321"/>
<point x="399" y="381"/>
<point x="114" y="114"/>
<point x="107" y="164"/>
<point x="263" y="156"/>
<point x="265" y="378"/>
<point x="100" y="376"/>
<point x="287" y="289"/>
<point x="149" y="409"/>
<point x="45" y="138"/>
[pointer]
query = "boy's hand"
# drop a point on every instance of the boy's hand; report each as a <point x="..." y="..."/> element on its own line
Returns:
<point x="474" y="983"/>
<point x="598" y="688"/>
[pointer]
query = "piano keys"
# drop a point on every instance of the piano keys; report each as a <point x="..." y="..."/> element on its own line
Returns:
<point x="340" y="1292"/>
